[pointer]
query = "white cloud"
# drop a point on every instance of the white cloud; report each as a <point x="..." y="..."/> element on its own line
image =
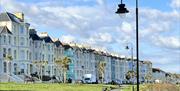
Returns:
<point x="167" y="42"/>
<point x="101" y="38"/>
<point x="153" y="21"/>
<point x="175" y="4"/>
<point x="95" y="25"/>
<point x="67" y="38"/>
<point x="127" y="28"/>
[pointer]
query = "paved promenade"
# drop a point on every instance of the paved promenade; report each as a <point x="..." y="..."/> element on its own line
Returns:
<point x="155" y="87"/>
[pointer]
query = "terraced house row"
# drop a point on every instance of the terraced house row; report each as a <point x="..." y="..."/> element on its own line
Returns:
<point x="24" y="53"/>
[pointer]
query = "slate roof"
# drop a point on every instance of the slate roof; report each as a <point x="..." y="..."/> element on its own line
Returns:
<point x="34" y="37"/>
<point x="91" y="50"/>
<point x="9" y="17"/>
<point x="4" y="29"/>
<point x="157" y="70"/>
<point x="47" y="39"/>
<point x="57" y="43"/>
<point x="66" y="46"/>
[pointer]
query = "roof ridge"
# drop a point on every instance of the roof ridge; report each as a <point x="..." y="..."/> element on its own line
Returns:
<point x="7" y="13"/>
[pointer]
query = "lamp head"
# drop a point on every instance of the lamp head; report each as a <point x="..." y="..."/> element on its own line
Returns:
<point x="127" y="47"/>
<point x="122" y="9"/>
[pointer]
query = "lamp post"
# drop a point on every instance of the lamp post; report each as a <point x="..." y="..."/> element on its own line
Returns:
<point x="123" y="10"/>
<point x="127" y="47"/>
<point x="131" y="49"/>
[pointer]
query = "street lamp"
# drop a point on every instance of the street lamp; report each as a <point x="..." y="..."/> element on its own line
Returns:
<point x="132" y="59"/>
<point x="122" y="10"/>
<point x="131" y="49"/>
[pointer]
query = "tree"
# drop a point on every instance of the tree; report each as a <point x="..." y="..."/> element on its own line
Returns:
<point x="130" y="74"/>
<point x="148" y="77"/>
<point x="58" y="64"/>
<point x="101" y="69"/>
<point x="8" y="59"/>
<point x="40" y="65"/>
<point x="65" y="65"/>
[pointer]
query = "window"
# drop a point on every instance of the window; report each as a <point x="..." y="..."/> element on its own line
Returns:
<point x="15" y="68"/>
<point x="48" y="47"/>
<point x="22" y="41"/>
<point x="43" y="46"/>
<point x="22" y="67"/>
<point x="27" y="53"/>
<point x="30" y="43"/>
<point x="9" y="51"/>
<point x="4" y="64"/>
<point x="22" y="54"/>
<point x="29" y="56"/>
<point x="4" y="39"/>
<point x="9" y="40"/>
<point x="22" y="71"/>
<point x="14" y="40"/>
<point x="27" y="42"/>
<point x="21" y="29"/>
<point x="52" y="57"/>
<point x="0" y="39"/>
<point x="43" y="57"/>
<point x="4" y="52"/>
<point x="14" y="28"/>
<point x="35" y="44"/>
<point x="36" y="56"/>
<point x="40" y="45"/>
<point x="49" y="58"/>
<point x="15" y="54"/>
<point x="40" y="56"/>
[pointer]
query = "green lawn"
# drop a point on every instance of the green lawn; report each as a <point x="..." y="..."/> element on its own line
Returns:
<point x="51" y="87"/>
<point x="81" y="87"/>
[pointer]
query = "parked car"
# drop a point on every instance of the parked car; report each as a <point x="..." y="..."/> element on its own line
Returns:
<point x="89" y="78"/>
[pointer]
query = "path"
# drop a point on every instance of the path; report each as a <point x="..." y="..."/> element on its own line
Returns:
<point x="155" y="87"/>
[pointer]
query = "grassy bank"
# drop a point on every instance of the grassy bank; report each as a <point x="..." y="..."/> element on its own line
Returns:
<point x="84" y="87"/>
<point x="51" y="87"/>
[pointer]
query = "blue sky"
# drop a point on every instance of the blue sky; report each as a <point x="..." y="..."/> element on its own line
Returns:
<point x="94" y="22"/>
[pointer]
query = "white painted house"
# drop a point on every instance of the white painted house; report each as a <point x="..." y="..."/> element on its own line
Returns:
<point x="35" y="55"/>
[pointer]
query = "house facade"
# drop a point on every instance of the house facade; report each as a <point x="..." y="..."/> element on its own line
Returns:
<point x="159" y="76"/>
<point x="35" y="54"/>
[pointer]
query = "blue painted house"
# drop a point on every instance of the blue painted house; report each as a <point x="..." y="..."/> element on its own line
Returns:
<point x="69" y="52"/>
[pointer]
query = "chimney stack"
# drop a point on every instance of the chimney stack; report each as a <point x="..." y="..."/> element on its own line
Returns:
<point x="43" y="34"/>
<point x="32" y="31"/>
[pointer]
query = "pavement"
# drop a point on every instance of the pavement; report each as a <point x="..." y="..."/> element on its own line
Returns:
<point x="120" y="88"/>
<point x="156" y="87"/>
<point x="116" y="90"/>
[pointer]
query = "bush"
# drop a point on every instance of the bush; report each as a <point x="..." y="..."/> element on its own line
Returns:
<point x="46" y="78"/>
